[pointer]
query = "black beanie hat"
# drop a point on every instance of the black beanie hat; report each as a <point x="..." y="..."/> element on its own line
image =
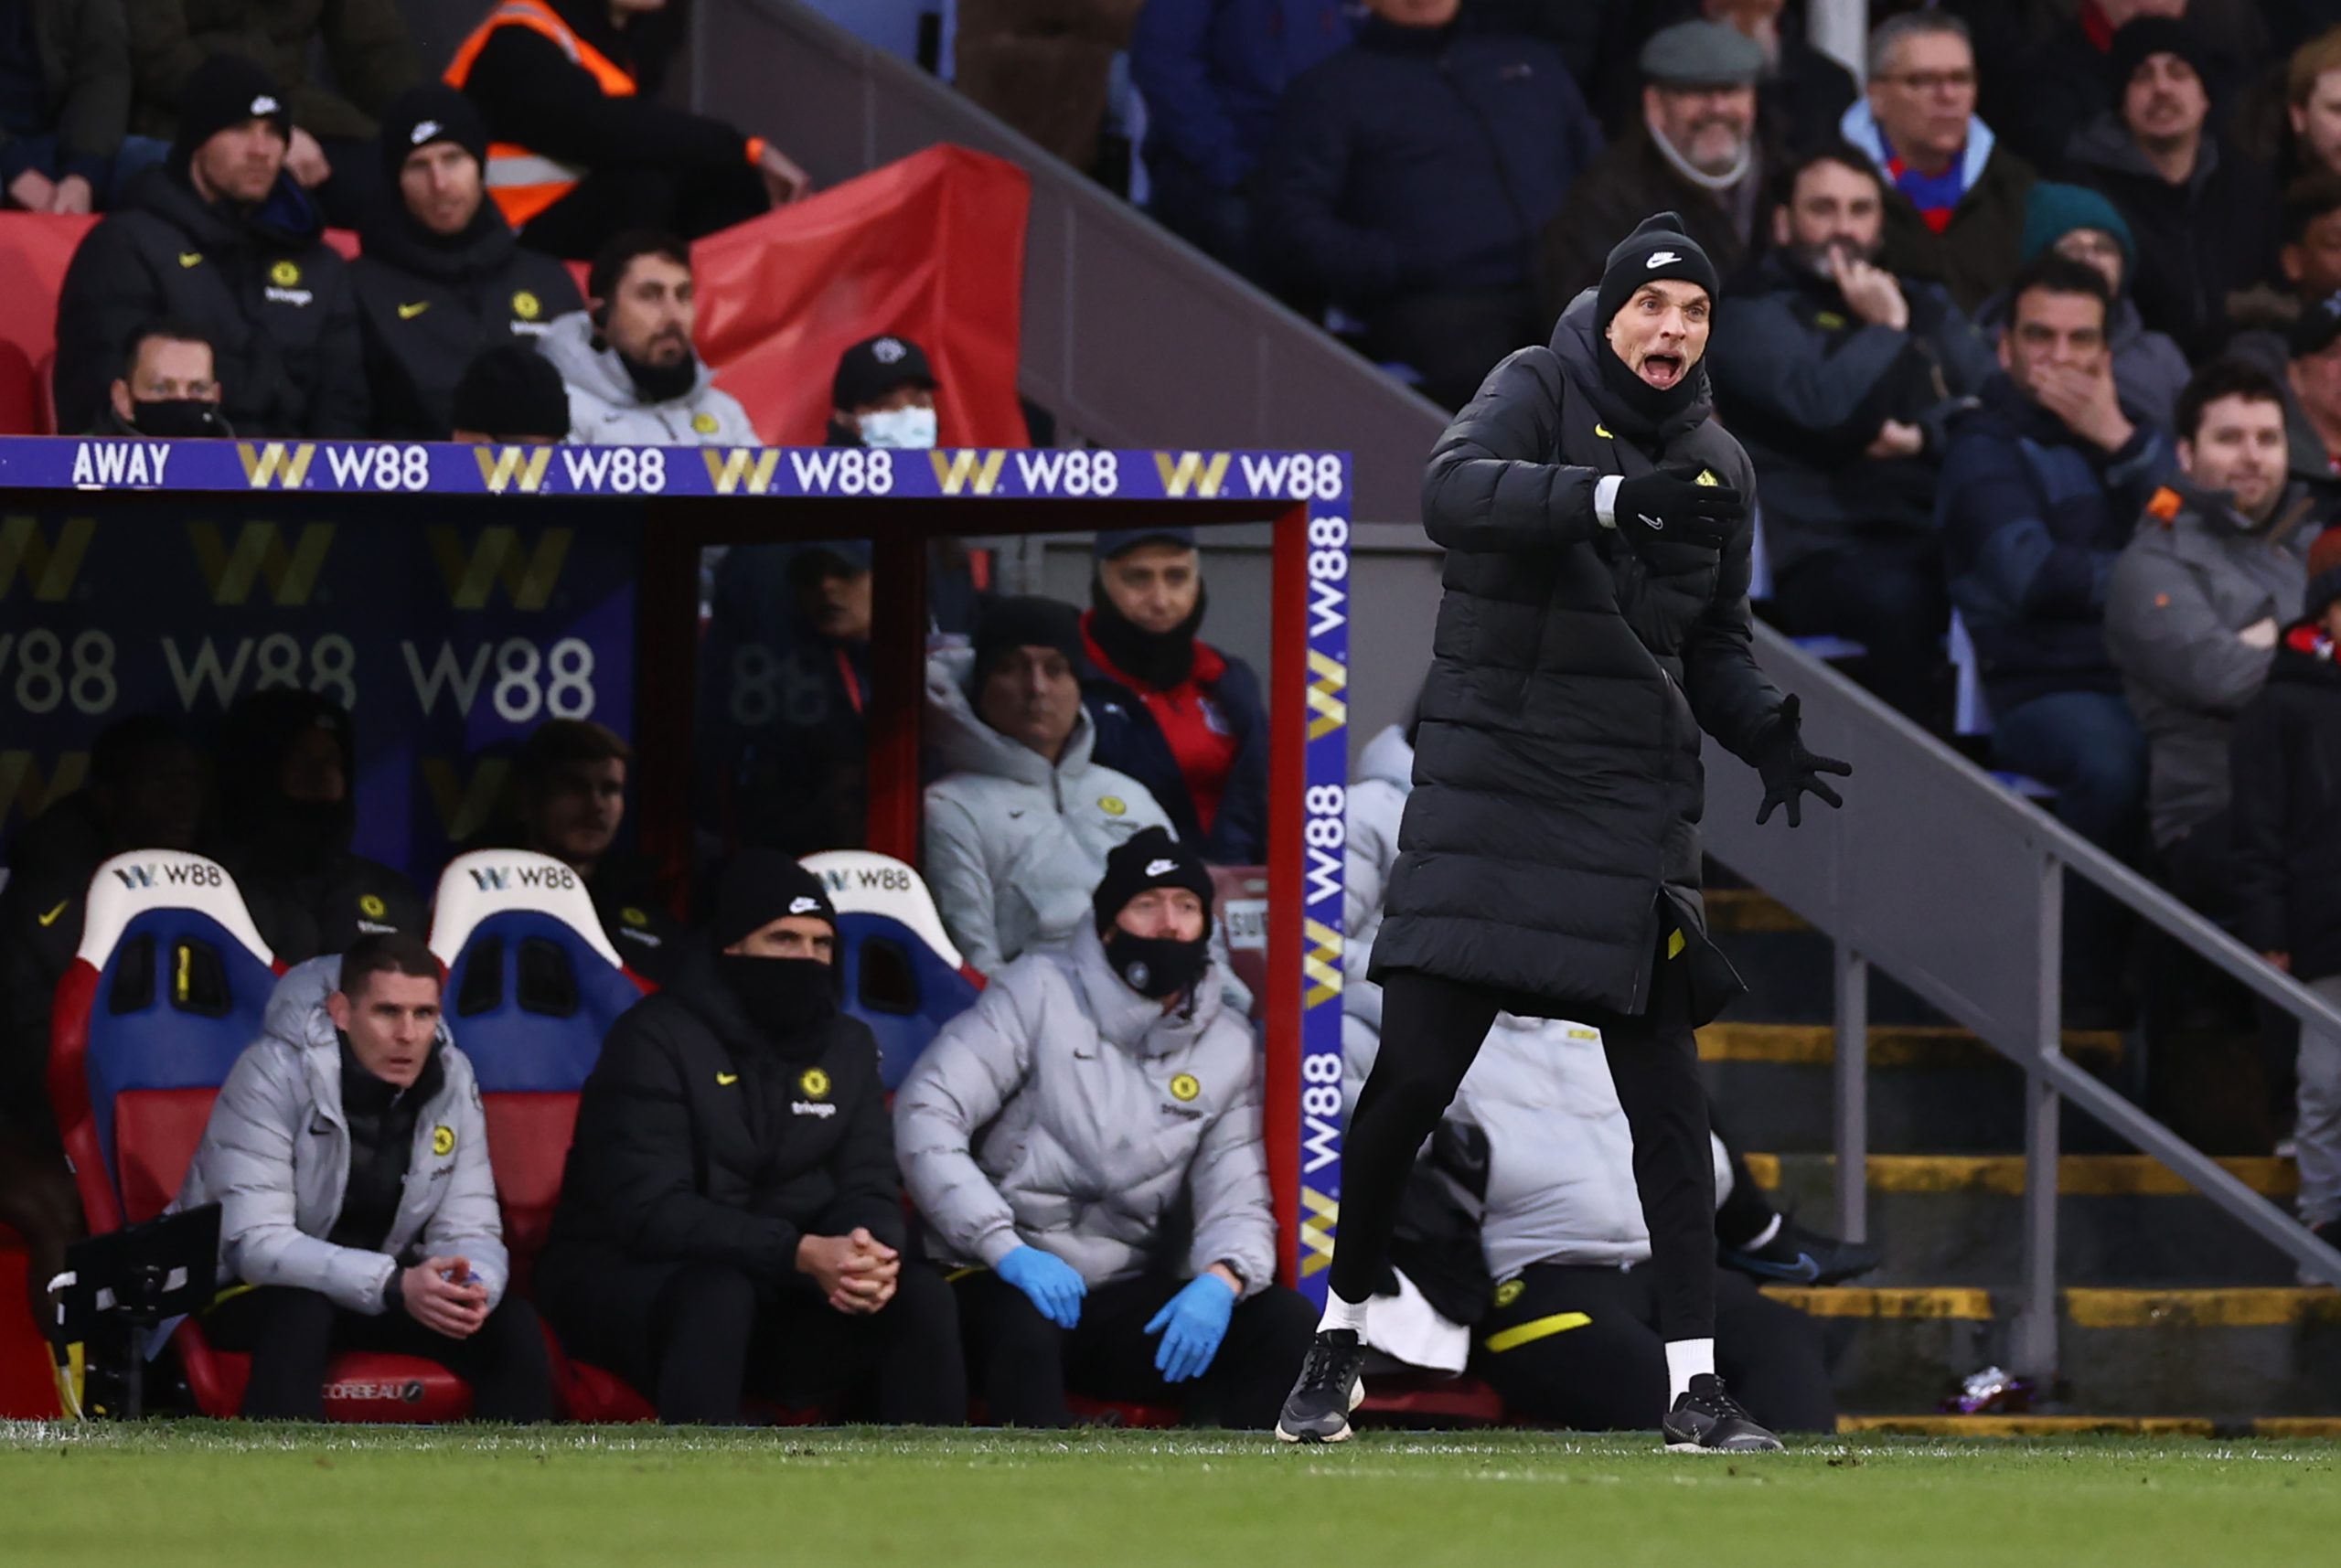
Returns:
<point x="1028" y="622"/>
<point x="1149" y="858"/>
<point x="422" y="115"/>
<point x="760" y="886"/>
<point x="2143" y="35"/>
<point x="509" y="392"/>
<point x="226" y="90"/>
<point x="1656" y="249"/>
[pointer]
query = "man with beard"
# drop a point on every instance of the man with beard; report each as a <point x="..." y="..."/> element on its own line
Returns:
<point x="1695" y="150"/>
<point x="287" y="810"/>
<point x="1840" y="378"/>
<point x="442" y="279"/>
<point x="634" y="377"/>
<point x="1173" y="713"/>
<point x="1597" y="525"/>
<point x="2196" y="601"/>
<point x="224" y="241"/>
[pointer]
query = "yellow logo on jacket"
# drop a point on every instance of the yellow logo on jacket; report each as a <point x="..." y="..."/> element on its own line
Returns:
<point x="443" y="1140"/>
<point x="814" y="1083"/>
<point x="371" y="906"/>
<point x="190" y="257"/>
<point x="1707" y="476"/>
<point x="633" y="917"/>
<point x="284" y="275"/>
<point x="409" y="312"/>
<point x="704" y="424"/>
<point x="1185" y="1087"/>
<point x="527" y="306"/>
<point x="1509" y="1292"/>
<point x="1112" y="805"/>
<point x="725" y="1080"/>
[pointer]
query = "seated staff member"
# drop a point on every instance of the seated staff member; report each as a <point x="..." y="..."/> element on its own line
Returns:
<point x="729" y="1222"/>
<point x="348" y="1156"/>
<point x="1090" y="1133"/>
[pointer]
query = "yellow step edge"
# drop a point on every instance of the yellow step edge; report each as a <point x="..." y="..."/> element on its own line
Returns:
<point x="1816" y="1045"/>
<point x="2261" y="1307"/>
<point x="2077" y="1174"/>
<point x="2025" y="1425"/>
<point x="2297" y="1426"/>
<point x="1886" y="1301"/>
<point x="1750" y="910"/>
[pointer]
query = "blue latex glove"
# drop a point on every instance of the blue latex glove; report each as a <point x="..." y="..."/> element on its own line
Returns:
<point x="1191" y="1324"/>
<point x="1048" y="1280"/>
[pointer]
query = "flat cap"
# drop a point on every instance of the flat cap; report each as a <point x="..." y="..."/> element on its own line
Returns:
<point x="1702" y="54"/>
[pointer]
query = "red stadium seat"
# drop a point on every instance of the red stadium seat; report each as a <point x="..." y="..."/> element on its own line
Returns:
<point x="904" y="978"/>
<point x="169" y="986"/>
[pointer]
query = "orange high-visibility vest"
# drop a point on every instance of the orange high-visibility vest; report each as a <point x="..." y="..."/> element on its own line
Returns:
<point x="524" y="183"/>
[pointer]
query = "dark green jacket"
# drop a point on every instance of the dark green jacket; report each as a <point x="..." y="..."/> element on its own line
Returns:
<point x="366" y="46"/>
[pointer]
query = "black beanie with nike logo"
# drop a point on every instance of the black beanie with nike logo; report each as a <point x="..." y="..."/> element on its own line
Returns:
<point x="1656" y="249"/>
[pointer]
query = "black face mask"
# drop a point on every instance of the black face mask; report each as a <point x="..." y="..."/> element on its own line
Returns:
<point x="785" y="998"/>
<point x="1644" y="406"/>
<point x="1157" y="967"/>
<point x="661" y="383"/>
<point x="1161" y="659"/>
<point x="187" y="419"/>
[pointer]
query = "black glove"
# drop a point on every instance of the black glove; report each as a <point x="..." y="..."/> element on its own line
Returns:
<point x="1671" y="507"/>
<point x="1789" y="771"/>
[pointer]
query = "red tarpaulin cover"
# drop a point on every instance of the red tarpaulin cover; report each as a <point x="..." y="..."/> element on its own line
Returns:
<point x="931" y="246"/>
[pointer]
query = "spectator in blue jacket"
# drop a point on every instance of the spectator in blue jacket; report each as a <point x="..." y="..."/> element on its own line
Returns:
<point x="1407" y="181"/>
<point x="1212" y="72"/>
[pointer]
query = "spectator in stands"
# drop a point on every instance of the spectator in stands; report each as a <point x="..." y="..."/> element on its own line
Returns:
<point x="64" y="104"/>
<point x="2194" y="606"/>
<point x="1089" y="1133"/>
<point x="2287" y="863"/>
<point x="2313" y="104"/>
<point x="2204" y="215"/>
<point x="730" y="1223"/>
<point x="442" y="279"/>
<point x="2310" y="264"/>
<point x="583" y="148"/>
<point x="1841" y="379"/>
<point x="1694" y="152"/>
<point x="571" y="779"/>
<point x="2040" y="489"/>
<point x="168" y="389"/>
<point x="145" y="790"/>
<point x="1407" y="180"/>
<point x="1171" y="711"/>
<point x="1803" y="94"/>
<point x="1018" y="827"/>
<point x="1955" y="209"/>
<point x="634" y="377"/>
<point x="2050" y="88"/>
<point x="509" y="396"/>
<point x="221" y="240"/>
<point x="1212" y="72"/>
<point x="348" y="1155"/>
<point x="288" y="768"/>
<point x="2148" y="371"/>
<point x="329" y="133"/>
<point x="884" y="395"/>
<point x="2312" y="406"/>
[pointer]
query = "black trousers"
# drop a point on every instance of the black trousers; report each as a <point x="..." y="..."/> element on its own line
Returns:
<point x="1579" y="1346"/>
<point x="689" y="204"/>
<point x="697" y="1339"/>
<point x="40" y="1203"/>
<point x="290" y="1335"/>
<point x="1454" y="338"/>
<point x="1888" y="595"/>
<point x="1431" y="1031"/>
<point x="1022" y="1364"/>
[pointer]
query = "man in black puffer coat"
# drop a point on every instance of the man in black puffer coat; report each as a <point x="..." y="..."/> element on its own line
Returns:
<point x="731" y="1220"/>
<point x="1595" y="621"/>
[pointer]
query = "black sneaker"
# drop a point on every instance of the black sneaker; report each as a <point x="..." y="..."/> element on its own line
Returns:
<point x="1707" y="1420"/>
<point x="1332" y="1384"/>
<point x="1797" y="1256"/>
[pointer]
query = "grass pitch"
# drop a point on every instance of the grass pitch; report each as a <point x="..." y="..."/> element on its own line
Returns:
<point x="257" y="1496"/>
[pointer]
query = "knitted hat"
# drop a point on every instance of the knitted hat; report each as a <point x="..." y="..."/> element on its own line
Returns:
<point x="760" y="886"/>
<point x="1148" y="859"/>
<point x="225" y="91"/>
<point x="2142" y="37"/>
<point x="1111" y="542"/>
<point x="1028" y="622"/>
<point x="512" y="393"/>
<point x="2052" y="211"/>
<point x="431" y="112"/>
<point x="1656" y="249"/>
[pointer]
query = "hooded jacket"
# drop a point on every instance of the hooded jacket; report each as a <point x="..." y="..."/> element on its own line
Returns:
<point x="275" y="1157"/>
<point x="274" y="297"/>
<point x="2196" y="574"/>
<point x="1554" y="823"/>
<point x="2287" y="768"/>
<point x="606" y="408"/>
<point x="1973" y="255"/>
<point x="1066" y="1112"/>
<point x="2148" y="368"/>
<point x="701" y="1140"/>
<point x="428" y="306"/>
<point x="1015" y="846"/>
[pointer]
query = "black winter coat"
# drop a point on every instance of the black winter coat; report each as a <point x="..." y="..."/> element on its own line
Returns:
<point x="427" y="308"/>
<point x="326" y="907"/>
<point x="273" y="295"/>
<point x="1558" y="782"/>
<point x="698" y="1142"/>
<point x="2286" y="806"/>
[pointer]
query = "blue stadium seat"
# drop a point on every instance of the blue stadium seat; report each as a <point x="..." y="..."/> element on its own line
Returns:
<point x="904" y="976"/>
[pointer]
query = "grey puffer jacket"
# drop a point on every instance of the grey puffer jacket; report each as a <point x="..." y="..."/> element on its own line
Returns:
<point x="275" y="1158"/>
<point x="1066" y="1112"/>
<point x="605" y="407"/>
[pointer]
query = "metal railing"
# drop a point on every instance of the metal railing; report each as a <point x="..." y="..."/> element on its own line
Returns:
<point x="1955" y="887"/>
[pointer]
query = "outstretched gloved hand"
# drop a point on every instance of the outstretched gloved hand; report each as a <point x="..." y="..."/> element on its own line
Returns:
<point x="1047" y="1281"/>
<point x="1789" y="771"/>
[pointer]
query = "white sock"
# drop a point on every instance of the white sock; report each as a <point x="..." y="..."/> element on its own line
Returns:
<point x="1685" y="1359"/>
<point x="1762" y="1236"/>
<point x="1340" y="1314"/>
